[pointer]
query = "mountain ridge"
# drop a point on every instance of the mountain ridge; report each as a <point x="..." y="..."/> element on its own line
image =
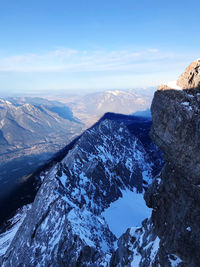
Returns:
<point x="77" y="194"/>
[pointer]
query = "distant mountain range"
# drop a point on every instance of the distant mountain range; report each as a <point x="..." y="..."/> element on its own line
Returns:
<point x="89" y="108"/>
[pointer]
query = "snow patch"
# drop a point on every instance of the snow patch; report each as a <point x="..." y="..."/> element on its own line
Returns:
<point x="128" y="211"/>
<point x="175" y="262"/>
<point x="158" y="180"/>
<point x="136" y="260"/>
<point x="63" y="179"/>
<point x="173" y="85"/>
<point x="115" y="93"/>
<point x="7" y="237"/>
<point x="155" y="248"/>
<point x="185" y="103"/>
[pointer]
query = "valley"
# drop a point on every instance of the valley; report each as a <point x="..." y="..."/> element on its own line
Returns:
<point x="90" y="107"/>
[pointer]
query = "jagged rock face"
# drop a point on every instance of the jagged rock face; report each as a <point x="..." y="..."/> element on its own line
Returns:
<point x="139" y="245"/>
<point x="176" y="118"/>
<point x="171" y="236"/>
<point x="65" y="225"/>
<point x="191" y="77"/>
<point x="175" y="201"/>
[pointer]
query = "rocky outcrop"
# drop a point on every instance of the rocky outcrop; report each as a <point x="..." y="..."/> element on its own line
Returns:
<point x="191" y="77"/>
<point x="139" y="245"/>
<point x="175" y="204"/>
<point x="171" y="236"/>
<point x="163" y="87"/>
<point x="176" y="201"/>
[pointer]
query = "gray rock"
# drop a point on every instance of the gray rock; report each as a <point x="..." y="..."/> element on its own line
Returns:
<point x="171" y="236"/>
<point x="175" y="201"/>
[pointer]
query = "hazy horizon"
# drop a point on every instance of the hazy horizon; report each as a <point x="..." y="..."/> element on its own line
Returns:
<point x="51" y="94"/>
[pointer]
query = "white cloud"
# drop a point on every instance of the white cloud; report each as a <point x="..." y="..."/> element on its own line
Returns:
<point x="71" y="60"/>
<point x="67" y="69"/>
<point x="153" y="50"/>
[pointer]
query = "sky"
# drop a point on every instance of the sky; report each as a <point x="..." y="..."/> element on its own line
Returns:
<point x="80" y="45"/>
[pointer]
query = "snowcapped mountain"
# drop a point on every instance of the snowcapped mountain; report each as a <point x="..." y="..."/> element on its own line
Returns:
<point x="89" y="108"/>
<point x="68" y="223"/>
<point x="125" y="102"/>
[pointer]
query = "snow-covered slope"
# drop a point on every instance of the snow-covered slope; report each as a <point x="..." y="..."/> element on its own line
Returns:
<point x="140" y="246"/>
<point x="13" y="226"/>
<point x="68" y="223"/>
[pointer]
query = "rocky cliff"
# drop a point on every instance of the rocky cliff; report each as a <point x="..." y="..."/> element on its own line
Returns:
<point x="171" y="236"/>
<point x="176" y="204"/>
<point x="191" y="77"/>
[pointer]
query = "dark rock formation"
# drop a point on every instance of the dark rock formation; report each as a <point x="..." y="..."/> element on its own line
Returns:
<point x="172" y="236"/>
<point x="176" y="203"/>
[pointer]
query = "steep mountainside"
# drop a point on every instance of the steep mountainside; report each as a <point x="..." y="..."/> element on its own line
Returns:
<point x="67" y="224"/>
<point x="176" y="116"/>
<point x="28" y="122"/>
<point x="171" y="236"/>
<point x="31" y="131"/>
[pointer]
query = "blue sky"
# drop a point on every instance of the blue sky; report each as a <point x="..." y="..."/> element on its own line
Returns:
<point x="91" y="44"/>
